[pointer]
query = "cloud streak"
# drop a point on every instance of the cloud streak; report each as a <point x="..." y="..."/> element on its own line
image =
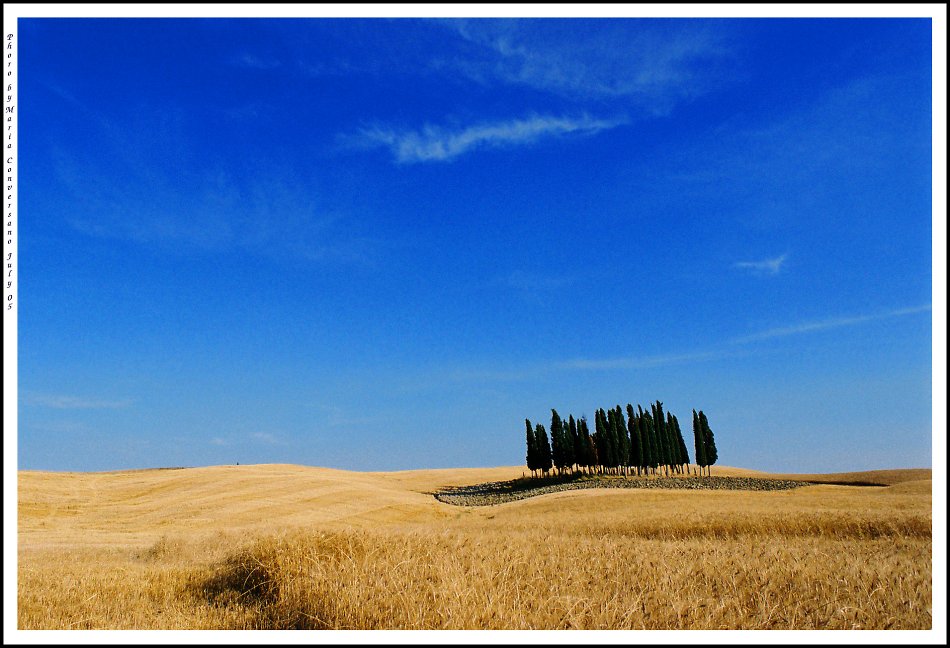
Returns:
<point x="439" y="144"/>
<point x="639" y="362"/>
<point x="534" y="370"/>
<point x="765" y="266"/>
<point x="809" y="327"/>
<point x="654" y="63"/>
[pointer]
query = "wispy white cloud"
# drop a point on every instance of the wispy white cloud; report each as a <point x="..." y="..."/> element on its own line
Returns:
<point x="657" y="63"/>
<point x="439" y="144"/>
<point x="218" y="441"/>
<point x="787" y="168"/>
<point x="808" y="327"/>
<point x="639" y="362"/>
<point x="279" y="213"/>
<point x="64" y="401"/>
<point x="765" y="266"/>
<point x="532" y="371"/>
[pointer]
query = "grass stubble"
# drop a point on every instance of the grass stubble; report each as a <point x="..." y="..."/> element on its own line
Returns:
<point x="289" y="547"/>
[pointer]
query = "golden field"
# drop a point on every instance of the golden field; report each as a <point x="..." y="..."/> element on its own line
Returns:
<point x="284" y="546"/>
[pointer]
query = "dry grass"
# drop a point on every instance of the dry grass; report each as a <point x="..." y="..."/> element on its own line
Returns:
<point x="294" y="547"/>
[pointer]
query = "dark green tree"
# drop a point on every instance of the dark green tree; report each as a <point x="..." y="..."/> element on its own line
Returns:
<point x="652" y="451"/>
<point x="600" y="441"/>
<point x="614" y="435"/>
<point x="578" y="450"/>
<point x="557" y="441"/>
<point x="671" y="443"/>
<point x="592" y="451"/>
<point x="609" y="458"/>
<point x="544" y="448"/>
<point x="567" y="445"/>
<point x="623" y="440"/>
<point x="683" y="452"/>
<point x="532" y="457"/>
<point x="589" y="456"/>
<point x="645" y="438"/>
<point x="659" y="425"/>
<point x="636" y="443"/>
<point x="699" y="442"/>
<point x="710" y="442"/>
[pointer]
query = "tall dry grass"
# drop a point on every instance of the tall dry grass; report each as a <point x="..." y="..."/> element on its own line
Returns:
<point x="450" y="580"/>
<point x="819" y="557"/>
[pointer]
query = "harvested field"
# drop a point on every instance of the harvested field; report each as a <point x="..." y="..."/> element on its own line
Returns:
<point x="283" y="547"/>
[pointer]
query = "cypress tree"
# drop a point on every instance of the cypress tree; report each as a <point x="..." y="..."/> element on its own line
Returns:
<point x="645" y="437"/>
<point x="600" y="440"/>
<point x="532" y="457"/>
<point x="578" y="451"/>
<point x="710" y="441"/>
<point x="659" y="426"/>
<point x="590" y="457"/>
<point x="557" y="441"/>
<point x="684" y="453"/>
<point x="657" y="441"/>
<point x="671" y="443"/>
<point x="623" y="440"/>
<point x="636" y="444"/>
<point x="653" y="459"/>
<point x="544" y="448"/>
<point x="610" y="437"/>
<point x="567" y="447"/>
<point x="614" y="438"/>
<point x="699" y="443"/>
<point x="592" y="451"/>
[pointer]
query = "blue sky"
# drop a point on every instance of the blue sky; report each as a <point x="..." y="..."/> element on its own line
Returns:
<point x="382" y="244"/>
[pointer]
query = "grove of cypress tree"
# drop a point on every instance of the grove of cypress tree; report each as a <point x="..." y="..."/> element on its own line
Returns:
<point x="636" y="444"/>
<point x="710" y="442"/>
<point x="646" y="440"/>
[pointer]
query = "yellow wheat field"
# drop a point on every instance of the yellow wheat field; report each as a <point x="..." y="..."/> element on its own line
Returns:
<point x="278" y="546"/>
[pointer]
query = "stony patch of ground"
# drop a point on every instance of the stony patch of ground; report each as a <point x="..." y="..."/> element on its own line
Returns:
<point x="509" y="491"/>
